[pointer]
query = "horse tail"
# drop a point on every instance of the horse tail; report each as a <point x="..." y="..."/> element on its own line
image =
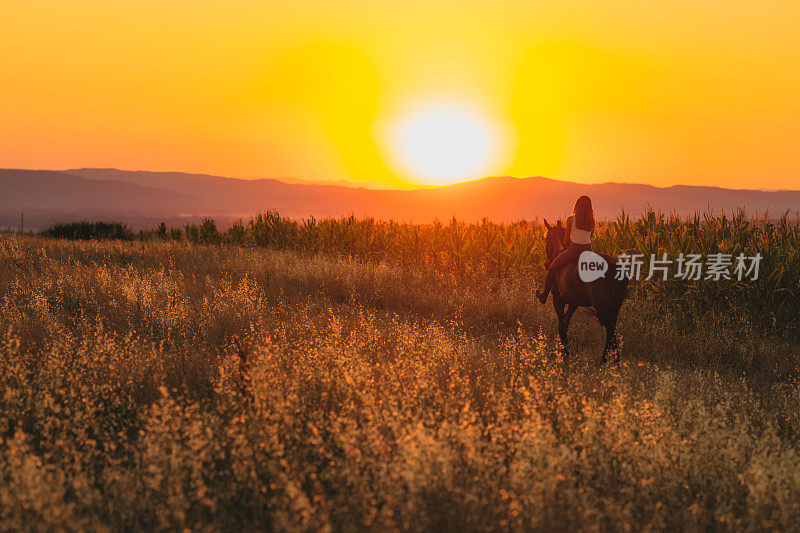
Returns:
<point x="619" y="287"/>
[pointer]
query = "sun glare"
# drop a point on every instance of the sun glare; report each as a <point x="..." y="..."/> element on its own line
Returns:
<point x="439" y="144"/>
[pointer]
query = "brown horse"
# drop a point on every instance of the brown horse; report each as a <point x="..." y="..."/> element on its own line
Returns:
<point x="604" y="294"/>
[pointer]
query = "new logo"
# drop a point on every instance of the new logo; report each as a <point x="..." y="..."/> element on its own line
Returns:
<point x="591" y="266"/>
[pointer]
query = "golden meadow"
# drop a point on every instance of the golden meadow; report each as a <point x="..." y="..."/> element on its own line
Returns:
<point x="352" y="374"/>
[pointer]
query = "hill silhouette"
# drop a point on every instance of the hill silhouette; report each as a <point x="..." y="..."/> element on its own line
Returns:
<point x="142" y="198"/>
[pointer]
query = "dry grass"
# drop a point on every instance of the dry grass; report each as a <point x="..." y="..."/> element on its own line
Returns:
<point x="375" y="396"/>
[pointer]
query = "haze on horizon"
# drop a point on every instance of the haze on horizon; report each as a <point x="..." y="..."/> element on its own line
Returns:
<point x="680" y="92"/>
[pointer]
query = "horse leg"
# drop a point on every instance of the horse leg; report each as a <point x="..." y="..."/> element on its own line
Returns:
<point x="564" y="326"/>
<point x="609" y="321"/>
<point x="571" y="311"/>
<point x="563" y="321"/>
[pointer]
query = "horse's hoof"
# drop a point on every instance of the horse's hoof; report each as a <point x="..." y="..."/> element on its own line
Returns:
<point x="541" y="297"/>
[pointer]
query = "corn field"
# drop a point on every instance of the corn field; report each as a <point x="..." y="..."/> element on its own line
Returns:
<point x="506" y="251"/>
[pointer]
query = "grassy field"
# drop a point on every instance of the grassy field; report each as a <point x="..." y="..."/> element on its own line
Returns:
<point x="166" y="384"/>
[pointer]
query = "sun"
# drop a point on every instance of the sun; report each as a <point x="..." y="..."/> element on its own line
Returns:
<point x="443" y="143"/>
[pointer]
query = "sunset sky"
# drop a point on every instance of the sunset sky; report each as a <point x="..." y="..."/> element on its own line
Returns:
<point x="407" y="92"/>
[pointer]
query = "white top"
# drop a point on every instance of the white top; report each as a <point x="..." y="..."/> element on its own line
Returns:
<point x="580" y="236"/>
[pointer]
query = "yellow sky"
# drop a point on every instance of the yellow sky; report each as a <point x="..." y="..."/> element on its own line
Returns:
<point x="692" y="92"/>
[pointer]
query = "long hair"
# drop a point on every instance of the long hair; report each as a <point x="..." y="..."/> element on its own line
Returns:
<point x="584" y="214"/>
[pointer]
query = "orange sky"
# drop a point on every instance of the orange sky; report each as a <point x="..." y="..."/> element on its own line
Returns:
<point x="678" y="91"/>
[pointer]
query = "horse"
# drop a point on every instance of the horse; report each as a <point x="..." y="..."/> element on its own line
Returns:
<point x="605" y="294"/>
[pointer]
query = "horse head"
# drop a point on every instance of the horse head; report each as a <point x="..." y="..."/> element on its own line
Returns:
<point x="553" y="241"/>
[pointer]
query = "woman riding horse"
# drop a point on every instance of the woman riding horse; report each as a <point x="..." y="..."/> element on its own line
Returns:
<point x="605" y="294"/>
<point x="580" y="227"/>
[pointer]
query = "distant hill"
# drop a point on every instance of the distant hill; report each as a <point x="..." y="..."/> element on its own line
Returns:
<point x="47" y="189"/>
<point x="47" y="196"/>
<point x="145" y="198"/>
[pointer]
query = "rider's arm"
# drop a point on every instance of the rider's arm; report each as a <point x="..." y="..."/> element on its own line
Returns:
<point x="568" y="234"/>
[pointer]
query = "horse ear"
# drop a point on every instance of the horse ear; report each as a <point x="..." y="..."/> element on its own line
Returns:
<point x="559" y="223"/>
<point x="546" y="224"/>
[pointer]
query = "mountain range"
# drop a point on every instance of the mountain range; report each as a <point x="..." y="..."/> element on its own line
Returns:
<point x="142" y="199"/>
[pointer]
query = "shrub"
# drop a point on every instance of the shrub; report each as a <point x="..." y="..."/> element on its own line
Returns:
<point x="86" y="230"/>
